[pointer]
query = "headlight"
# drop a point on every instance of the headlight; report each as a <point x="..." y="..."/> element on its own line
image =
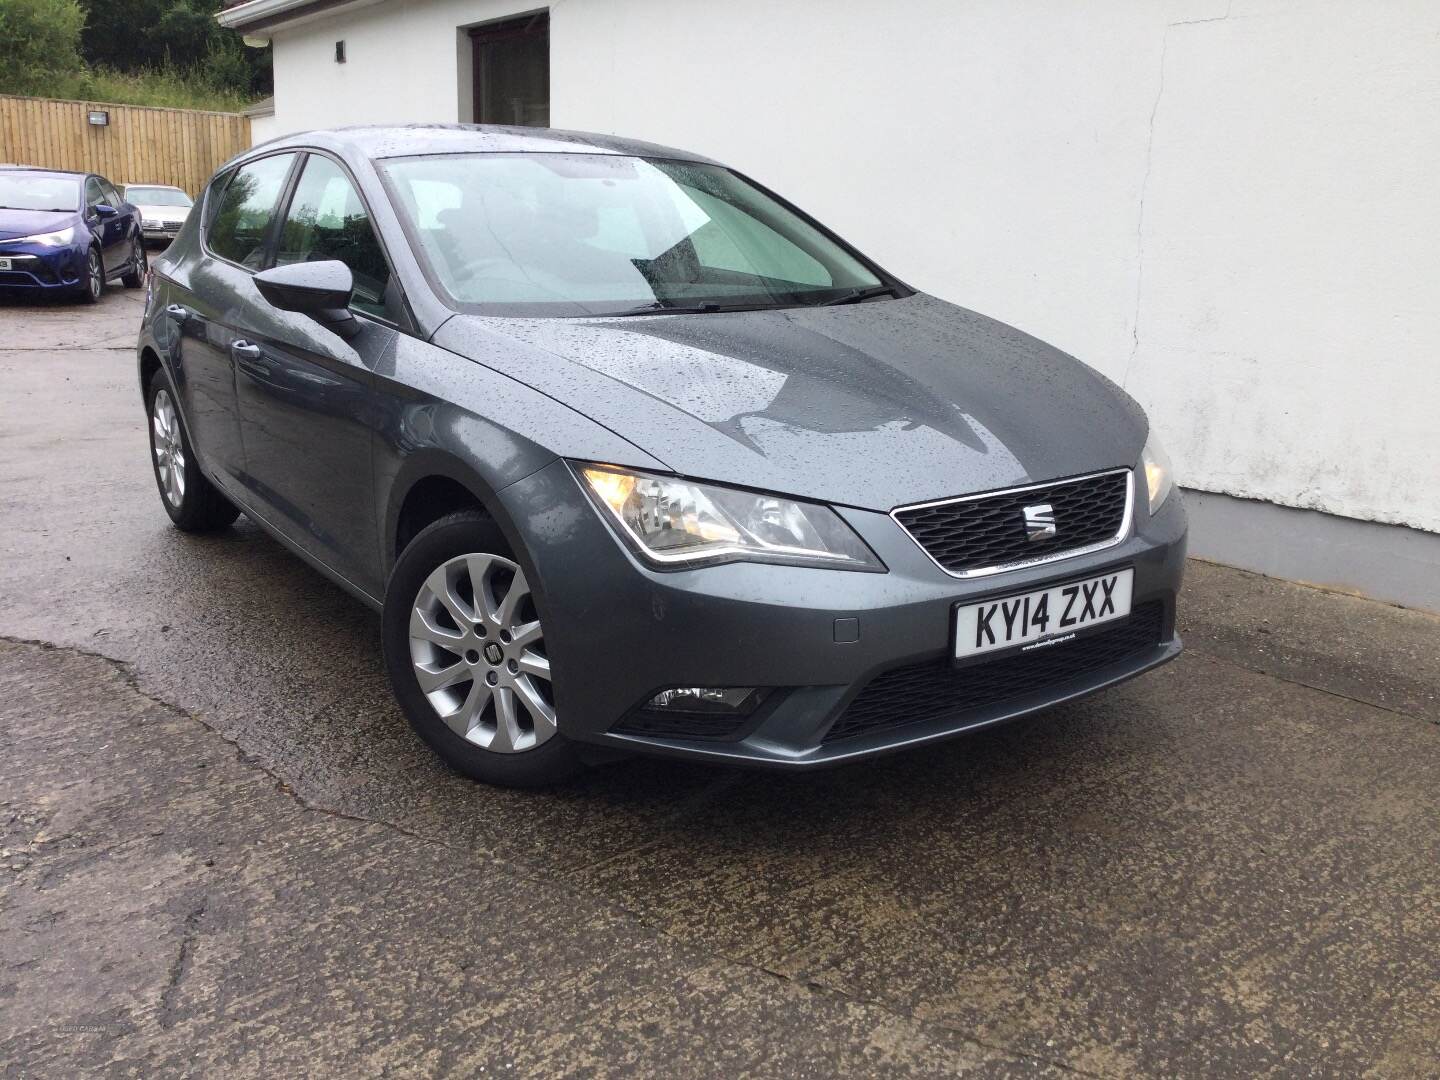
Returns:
<point x="1158" y="477"/>
<point x="671" y="521"/>
<point x="49" y="239"/>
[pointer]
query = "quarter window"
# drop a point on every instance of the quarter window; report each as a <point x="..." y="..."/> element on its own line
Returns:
<point x="327" y="220"/>
<point x="93" y="195"/>
<point x="246" y="209"/>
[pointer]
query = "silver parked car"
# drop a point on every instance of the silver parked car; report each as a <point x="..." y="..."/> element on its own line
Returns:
<point x="163" y="209"/>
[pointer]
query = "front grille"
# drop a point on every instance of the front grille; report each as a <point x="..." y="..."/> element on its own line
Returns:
<point x="984" y="532"/>
<point x="938" y="690"/>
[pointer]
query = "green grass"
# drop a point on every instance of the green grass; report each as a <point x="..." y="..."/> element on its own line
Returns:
<point x="169" y="89"/>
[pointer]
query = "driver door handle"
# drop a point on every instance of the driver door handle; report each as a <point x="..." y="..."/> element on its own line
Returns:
<point x="177" y="312"/>
<point x="245" y="350"/>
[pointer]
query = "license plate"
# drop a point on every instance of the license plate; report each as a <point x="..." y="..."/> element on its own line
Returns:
<point x="4" y="264"/>
<point x="1043" y="618"/>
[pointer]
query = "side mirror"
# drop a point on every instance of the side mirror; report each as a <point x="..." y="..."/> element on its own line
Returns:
<point x="104" y="210"/>
<point x="321" y="290"/>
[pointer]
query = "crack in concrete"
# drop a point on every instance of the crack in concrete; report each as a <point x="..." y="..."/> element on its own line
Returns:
<point x="1288" y="681"/>
<point x="181" y="965"/>
<point x="523" y="871"/>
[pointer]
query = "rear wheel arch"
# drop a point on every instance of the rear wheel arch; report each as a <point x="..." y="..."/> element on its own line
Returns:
<point x="149" y="365"/>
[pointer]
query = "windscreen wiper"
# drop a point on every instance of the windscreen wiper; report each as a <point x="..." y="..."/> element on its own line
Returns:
<point x="660" y="307"/>
<point x="704" y="307"/>
<point x="860" y="294"/>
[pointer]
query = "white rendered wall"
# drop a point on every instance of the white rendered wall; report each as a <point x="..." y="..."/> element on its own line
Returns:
<point x="263" y="129"/>
<point x="1232" y="208"/>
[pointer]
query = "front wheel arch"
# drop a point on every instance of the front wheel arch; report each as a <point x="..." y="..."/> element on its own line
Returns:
<point x="429" y="467"/>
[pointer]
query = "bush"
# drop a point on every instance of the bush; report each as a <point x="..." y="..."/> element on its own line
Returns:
<point x="167" y="89"/>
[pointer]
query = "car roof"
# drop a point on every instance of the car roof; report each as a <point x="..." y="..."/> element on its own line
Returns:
<point x="165" y="187"/>
<point x="408" y="140"/>
<point x="44" y="171"/>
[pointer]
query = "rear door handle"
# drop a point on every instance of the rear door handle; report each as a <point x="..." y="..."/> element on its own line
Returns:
<point x="245" y="350"/>
<point x="177" y="312"/>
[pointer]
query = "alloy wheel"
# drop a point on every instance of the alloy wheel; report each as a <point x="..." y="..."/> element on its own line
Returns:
<point x="477" y="651"/>
<point x="95" y="275"/>
<point x="169" y="448"/>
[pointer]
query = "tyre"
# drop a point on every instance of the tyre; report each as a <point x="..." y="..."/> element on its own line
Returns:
<point x="192" y="501"/>
<point x="136" y="277"/>
<point x="465" y="650"/>
<point x="92" y="282"/>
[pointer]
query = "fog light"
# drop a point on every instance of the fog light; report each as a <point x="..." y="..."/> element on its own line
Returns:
<point x="709" y="699"/>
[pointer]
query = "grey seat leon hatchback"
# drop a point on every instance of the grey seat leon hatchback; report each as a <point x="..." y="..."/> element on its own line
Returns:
<point x="635" y="457"/>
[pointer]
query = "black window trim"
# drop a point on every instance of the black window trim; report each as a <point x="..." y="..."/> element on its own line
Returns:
<point x="209" y="202"/>
<point x="406" y="323"/>
<point x="280" y="200"/>
<point x="108" y="189"/>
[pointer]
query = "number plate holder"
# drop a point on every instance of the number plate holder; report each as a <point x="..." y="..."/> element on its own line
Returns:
<point x="963" y="625"/>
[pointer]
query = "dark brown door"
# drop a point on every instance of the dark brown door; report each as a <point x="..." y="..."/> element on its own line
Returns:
<point x="512" y="71"/>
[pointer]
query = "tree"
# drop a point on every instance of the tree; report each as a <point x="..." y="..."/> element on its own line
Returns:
<point x="180" y="35"/>
<point x="39" y="39"/>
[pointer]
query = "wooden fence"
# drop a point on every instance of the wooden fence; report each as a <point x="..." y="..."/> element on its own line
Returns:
<point x="138" y="145"/>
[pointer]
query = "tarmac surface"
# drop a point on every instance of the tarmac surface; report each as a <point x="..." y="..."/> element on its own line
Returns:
<point x="222" y="851"/>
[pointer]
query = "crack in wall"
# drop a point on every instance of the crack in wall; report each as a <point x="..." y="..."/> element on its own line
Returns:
<point x="1140" y="213"/>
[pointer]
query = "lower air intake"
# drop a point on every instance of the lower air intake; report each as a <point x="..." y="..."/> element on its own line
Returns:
<point x="937" y="690"/>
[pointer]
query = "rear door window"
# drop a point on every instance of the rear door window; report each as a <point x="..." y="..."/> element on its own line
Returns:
<point x="327" y="220"/>
<point x="246" y="209"/>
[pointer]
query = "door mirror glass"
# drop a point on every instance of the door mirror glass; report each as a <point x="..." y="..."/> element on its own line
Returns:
<point x="321" y="290"/>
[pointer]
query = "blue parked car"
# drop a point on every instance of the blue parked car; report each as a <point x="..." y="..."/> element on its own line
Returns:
<point x="66" y="232"/>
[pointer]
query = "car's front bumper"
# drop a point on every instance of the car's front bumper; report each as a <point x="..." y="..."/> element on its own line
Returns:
<point x="160" y="232"/>
<point x="35" y="268"/>
<point x="618" y="631"/>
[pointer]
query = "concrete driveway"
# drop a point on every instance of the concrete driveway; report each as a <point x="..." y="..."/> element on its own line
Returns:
<point x="222" y="851"/>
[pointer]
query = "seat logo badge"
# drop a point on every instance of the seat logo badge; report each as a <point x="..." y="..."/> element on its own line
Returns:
<point x="1040" y="521"/>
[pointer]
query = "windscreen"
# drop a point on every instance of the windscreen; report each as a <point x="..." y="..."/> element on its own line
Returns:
<point x="600" y="234"/>
<point x="26" y="191"/>
<point x="156" y="196"/>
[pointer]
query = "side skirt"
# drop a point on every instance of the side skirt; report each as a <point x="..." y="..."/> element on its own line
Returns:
<point x="295" y="549"/>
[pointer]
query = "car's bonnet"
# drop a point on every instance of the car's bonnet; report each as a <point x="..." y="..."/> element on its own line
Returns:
<point x="163" y="213"/>
<point x="873" y="405"/>
<point x="15" y="223"/>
